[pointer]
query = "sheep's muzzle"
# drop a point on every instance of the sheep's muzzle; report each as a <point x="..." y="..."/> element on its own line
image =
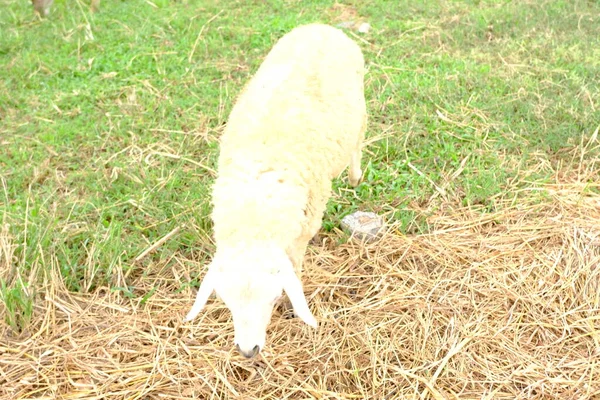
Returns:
<point x="250" y="353"/>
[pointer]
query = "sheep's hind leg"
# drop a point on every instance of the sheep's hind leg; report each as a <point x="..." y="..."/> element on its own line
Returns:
<point x="354" y="171"/>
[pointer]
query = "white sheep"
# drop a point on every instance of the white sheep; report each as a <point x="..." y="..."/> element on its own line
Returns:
<point x="298" y="124"/>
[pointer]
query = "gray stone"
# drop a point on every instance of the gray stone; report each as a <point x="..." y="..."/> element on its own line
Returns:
<point x="362" y="225"/>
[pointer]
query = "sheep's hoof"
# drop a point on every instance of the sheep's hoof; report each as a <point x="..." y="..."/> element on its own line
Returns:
<point x="355" y="182"/>
<point x="315" y="240"/>
<point x="286" y="308"/>
<point x="356" y="178"/>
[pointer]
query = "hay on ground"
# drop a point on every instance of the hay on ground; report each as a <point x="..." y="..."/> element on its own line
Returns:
<point x="501" y="305"/>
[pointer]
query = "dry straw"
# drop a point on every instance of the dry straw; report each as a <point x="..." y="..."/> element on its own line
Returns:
<point x="501" y="305"/>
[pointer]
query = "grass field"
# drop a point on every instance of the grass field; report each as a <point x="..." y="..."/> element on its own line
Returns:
<point x="483" y="156"/>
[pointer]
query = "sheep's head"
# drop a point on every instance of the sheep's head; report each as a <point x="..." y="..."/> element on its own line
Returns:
<point x="250" y="282"/>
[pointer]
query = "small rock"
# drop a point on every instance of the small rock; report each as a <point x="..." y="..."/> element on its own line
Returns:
<point x="364" y="27"/>
<point x="362" y="225"/>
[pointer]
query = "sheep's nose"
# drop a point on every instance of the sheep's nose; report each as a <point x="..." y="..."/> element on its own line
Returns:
<point x="250" y="353"/>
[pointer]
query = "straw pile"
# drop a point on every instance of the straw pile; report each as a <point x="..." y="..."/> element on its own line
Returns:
<point x="502" y="305"/>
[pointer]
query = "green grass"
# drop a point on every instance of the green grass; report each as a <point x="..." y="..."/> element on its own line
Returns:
<point x="100" y="139"/>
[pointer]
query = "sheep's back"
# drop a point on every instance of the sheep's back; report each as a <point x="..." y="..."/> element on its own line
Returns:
<point x="304" y="106"/>
<point x="292" y="129"/>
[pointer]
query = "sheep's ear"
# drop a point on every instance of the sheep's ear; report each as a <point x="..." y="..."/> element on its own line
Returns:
<point x="206" y="288"/>
<point x="293" y="288"/>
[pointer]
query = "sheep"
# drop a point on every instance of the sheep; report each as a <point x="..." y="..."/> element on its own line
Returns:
<point x="297" y="125"/>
